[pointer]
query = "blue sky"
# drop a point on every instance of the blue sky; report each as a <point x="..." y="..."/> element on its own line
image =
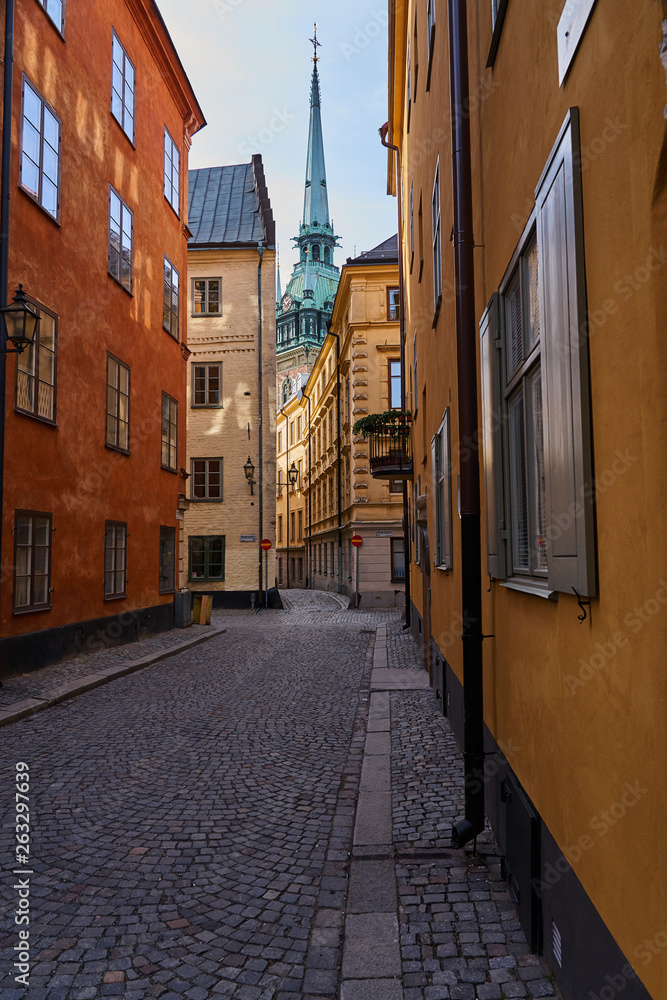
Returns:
<point x="249" y="62"/>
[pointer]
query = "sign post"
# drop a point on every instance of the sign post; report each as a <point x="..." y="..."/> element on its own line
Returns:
<point x="266" y="545"/>
<point x="357" y="541"/>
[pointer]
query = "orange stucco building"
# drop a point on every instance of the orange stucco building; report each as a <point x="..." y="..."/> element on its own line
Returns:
<point x="103" y="114"/>
<point x="568" y="201"/>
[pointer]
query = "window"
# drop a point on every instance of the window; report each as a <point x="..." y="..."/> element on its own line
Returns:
<point x="416" y="492"/>
<point x="32" y="561"/>
<point x="396" y="486"/>
<point x="207" y="386"/>
<point x="120" y="240"/>
<point x="324" y="558"/>
<point x="412" y="225"/>
<point x="498" y="11"/>
<point x="206" y="557"/>
<point x="122" y="88"/>
<point x="291" y="432"/>
<point x="442" y="493"/>
<point x="536" y="408"/>
<point x="280" y="524"/>
<point x="36" y="370"/>
<point x="392" y="304"/>
<point x="331" y="496"/>
<point x="115" y="558"/>
<point x="280" y="571"/>
<point x="56" y="11"/>
<point x="298" y="428"/>
<point x="206" y="296"/>
<point x="170" y="299"/>
<point x="206" y="478"/>
<point x="331" y="428"/>
<point x="430" y="36"/>
<point x="395" y="385"/>
<point x="300" y="535"/>
<point x="293" y="526"/>
<point x="333" y="561"/>
<point x="41" y="138"/>
<point x="118" y="405"/>
<point x="169" y="432"/>
<point x="300" y="557"/>
<point x="167" y="560"/>
<point x="172" y="169"/>
<point x="570" y="30"/>
<point x="397" y="560"/>
<point x="414" y="367"/>
<point x="420" y="233"/>
<point x="437" y="253"/>
<point x="300" y="467"/>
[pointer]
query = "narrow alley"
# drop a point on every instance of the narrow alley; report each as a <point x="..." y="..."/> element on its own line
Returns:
<point x="264" y="816"/>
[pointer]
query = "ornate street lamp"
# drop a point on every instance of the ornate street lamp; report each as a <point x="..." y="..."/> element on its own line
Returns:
<point x="20" y="321"/>
<point x="249" y="470"/>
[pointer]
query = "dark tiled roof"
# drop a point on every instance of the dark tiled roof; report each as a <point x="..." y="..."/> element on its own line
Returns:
<point x="226" y="207"/>
<point x="383" y="253"/>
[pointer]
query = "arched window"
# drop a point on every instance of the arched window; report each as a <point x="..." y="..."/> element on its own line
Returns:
<point x="316" y="251"/>
<point x="327" y="255"/>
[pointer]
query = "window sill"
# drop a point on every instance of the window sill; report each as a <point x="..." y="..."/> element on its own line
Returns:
<point x="128" y="291"/>
<point x="174" y="210"/>
<point x="206" y="406"/>
<point x="119" y="124"/>
<point x="32" y="609"/>
<point x="114" y="597"/>
<point x="168" y="468"/>
<point x="35" y="416"/>
<point x="444" y="569"/>
<point x="206" y="499"/>
<point x="207" y="315"/>
<point x="30" y="196"/>
<point x="174" y="335"/>
<point x="531" y="587"/>
<point x="114" y="447"/>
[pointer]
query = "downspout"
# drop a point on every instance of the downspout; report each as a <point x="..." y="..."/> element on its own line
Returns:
<point x="309" y="581"/>
<point x="339" y="477"/>
<point x="260" y="477"/>
<point x="466" y="342"/>
<point x="401" y="326"/>
<point x="4" y="235"/>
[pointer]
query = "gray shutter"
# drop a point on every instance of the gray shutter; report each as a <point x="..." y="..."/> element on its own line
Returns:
<point x="567" y="430"/>
<point x="489" y="334"/>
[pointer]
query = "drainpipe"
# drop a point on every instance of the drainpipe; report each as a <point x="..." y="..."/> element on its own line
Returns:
<point x="4" y="234"/>
<point x="287" y="489"/>
<point x="401" y="325"/>
<point x="466" y="341"/>
<point x="309" y="581"/>
<point x="260" y="476"/>
<point x="339" y="477"/>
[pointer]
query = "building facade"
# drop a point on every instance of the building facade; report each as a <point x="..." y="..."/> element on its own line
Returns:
<point x="303" y="312"/>
<point x="94" y="432"/>
<point x="231" y="385"/>
<point x="568" y="201"/>
<point x="356" y="372"/>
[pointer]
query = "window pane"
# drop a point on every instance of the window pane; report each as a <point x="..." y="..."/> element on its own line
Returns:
<point x="538" y="491"/>
<point x="518" y="483"/>
<point x="196" y="558"/>
<point x="199" y="296"/>
<point x="31" y="142"/>
<point x="32" y="106"/>
<point x="51" y="130"/>
<point x="215" y="551"/>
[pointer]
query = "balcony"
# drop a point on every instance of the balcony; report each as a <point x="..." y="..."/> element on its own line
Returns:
<point x="389" y="443"/>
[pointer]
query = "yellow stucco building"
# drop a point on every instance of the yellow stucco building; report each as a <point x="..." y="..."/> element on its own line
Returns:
<point x="231" y="385"/>
<point x="558" y="205"/>
<point x="357" y="372"/>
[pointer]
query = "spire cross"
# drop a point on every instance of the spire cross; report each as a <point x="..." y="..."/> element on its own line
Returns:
<point x="316" y="44"/>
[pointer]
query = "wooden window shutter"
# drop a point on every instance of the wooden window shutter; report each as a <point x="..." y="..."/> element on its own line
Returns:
<point x="568" y="454"/>
<point x="492" y="456"/>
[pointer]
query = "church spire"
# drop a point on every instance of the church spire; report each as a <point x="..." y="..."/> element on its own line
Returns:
<point x="315" y="202"/>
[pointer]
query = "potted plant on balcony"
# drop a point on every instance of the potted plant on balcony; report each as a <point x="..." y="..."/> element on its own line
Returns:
<point x="389" y="438"/>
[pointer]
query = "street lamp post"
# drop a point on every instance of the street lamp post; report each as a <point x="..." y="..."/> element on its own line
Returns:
<point x="249" y="470"/>
<point x="292" y="479"/>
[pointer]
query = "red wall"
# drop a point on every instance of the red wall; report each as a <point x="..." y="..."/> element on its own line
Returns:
<point x="68" y="470"/>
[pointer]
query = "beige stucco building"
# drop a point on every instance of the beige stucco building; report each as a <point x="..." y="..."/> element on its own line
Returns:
<point x="231" y="389"/>
<point x="357" y="372"/>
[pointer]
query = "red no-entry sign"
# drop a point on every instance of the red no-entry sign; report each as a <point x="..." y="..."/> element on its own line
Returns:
<point x="357" y="541"/>
<point x="265" y="544"/>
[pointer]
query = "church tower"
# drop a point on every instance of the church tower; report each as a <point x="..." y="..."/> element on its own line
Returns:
<point x="304" y="311"/>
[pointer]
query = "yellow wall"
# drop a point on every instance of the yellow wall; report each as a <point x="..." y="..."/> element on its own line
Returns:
<point x="581" y="743"/>
<point x="231" y="431"/>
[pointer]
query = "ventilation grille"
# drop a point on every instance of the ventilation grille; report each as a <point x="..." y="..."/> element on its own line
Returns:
<point x="557" y="944"/>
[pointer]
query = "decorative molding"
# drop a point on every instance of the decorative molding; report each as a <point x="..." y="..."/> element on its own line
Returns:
<point x="360" y="486"/>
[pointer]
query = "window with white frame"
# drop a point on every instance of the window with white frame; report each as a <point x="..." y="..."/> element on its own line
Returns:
<point x="442" y="495"/>
<point x="172" y="171"/>
<point x="55" y="9"/>
<point x="36" y="370"/>
<point x="120" y="240"/>
<point x="437" y="246"/>
<point x="41" y="141"/>
<point x="395" y="402"/>
<point x="170" y="298"/>
<point x="535" y="396"/>
<point x="122" y="87"/>
<point x="169" y="432"/>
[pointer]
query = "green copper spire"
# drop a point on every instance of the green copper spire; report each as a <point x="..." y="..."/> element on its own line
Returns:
<point x="315" y="202"/>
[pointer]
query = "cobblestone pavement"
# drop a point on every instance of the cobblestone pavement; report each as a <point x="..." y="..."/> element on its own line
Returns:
<point x="191" y="826"/>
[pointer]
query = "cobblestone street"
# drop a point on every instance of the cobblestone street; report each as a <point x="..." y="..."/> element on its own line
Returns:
<point x="197" y="826"/>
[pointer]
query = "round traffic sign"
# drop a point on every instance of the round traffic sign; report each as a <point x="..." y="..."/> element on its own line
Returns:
<point x="265" y="544"/>
<point x="357" y="541"/>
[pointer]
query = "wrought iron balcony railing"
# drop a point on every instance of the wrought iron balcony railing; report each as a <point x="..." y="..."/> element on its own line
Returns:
<point x="389" y="444"/>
